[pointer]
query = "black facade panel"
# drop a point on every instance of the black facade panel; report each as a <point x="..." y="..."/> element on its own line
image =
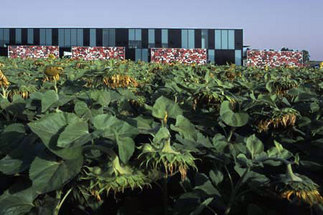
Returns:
<point x="198" y="37"/>
<point x="174" y="38"/>
<point x="211" y="39"/>
<point x="36" y="36"/>
<point x="131" y="53"/>
<point x="86" y="37"/>
<point x="158" y="38"/>
<point x="144" y="38"/>
<point x="99" y="37"/>
<point x="12" y="36"/>
<point x="24" y="36"/>
<point x="122" y="37"/>
<point x="222" y="57"/>
<point x="54" y="36"/>
<point x="238" y="35"/>
<point x="3" y="51"/>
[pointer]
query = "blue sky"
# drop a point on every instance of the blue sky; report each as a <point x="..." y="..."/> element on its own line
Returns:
<point x="295" y="24"/>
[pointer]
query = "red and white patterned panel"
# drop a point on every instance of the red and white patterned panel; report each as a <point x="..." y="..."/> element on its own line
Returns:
<point x="186" y="56"/>
<point x="32" y="51"/>
<point x="98" y="53"/>
<point x="256" y="58"/>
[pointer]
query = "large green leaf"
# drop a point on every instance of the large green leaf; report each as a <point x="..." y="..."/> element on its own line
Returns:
<point x="185" y="128"/>
<point x="19" y="203"/>
<point x="231" y="118"/>
<point x="48" y="99"/>
<point x="74" y="134"/>
<point x="126" y="147"/>
<point x="49" y="175"/>
<point x="164" y="105"/>
<point x="254" y="145"/>
<point x="112" y="126"/>
<point x="51" y="126"/>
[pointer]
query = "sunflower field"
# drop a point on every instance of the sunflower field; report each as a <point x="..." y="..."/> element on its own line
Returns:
<point x="123" y="137"/>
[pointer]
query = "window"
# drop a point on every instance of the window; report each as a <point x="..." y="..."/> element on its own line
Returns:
<point x="141" y="54"/>
<point x="210" y="56"/>
<point x="18" y="36"/>
<point x="164" y="38"/>
<point x="231" y="39"/>
<point x="218" y="43"/>
<point x="45" y="37"/>
<point x="188" y="39"/>
<point x="30" y="36"/>
<point x="4" y="37"/>
<point x="204" y="39"/>
<point x="67" y="37"/>
<point x="134" y="38"/>
<point x="238" y="57"/>
<point x="42" y="37"/>
<point x="73" y="37"/>
<point x="224" y="39"/>
<point x="108" y="37"/>
<point x="191" y="39"/>
<point x="151" y="38"/>
<point x="79" y="37"/>
<point x="61" y="37"/>
<point x="92" y="37"/>
<point x="184" y="39"/>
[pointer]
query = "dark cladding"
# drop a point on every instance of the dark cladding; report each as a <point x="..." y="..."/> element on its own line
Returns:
<point x="223" y="45"/>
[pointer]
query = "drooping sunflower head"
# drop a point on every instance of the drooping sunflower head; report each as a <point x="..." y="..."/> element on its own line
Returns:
<point x="298" y="188"/>
<point x="279" y="118"/>
<point x="300" y="191"/>
<point x="168" y="159"/>
<point x="52" y="72"/>
<point x="114" y="177"/>
<point x="51" y="56"/>
<point x="120" y="81"/>
<point x="3" y="80"/>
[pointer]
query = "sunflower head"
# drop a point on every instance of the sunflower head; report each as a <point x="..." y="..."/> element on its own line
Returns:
<point x="120" y="81"/>
<point x="168" y="159"/>
<point x="298" y="188"/>
<point x="52" y="56"/>
<point x="52" y="72"/>
<point x="3" y="80"/>
<point x="114" y="177"/>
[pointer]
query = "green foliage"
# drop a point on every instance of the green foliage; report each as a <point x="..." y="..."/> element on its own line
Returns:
<point x="179" y="140"/>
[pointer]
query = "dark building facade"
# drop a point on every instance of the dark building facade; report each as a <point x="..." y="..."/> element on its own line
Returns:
<point x="223" y="45"/>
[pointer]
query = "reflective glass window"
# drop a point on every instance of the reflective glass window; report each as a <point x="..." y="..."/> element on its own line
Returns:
<point x="218" y="36"/>
<point x="61" y="37"/>
<point x="204" y="39"/>
<point x="42" y="36"/>
<point x="1" y="37"/>
<point x="238" y="57"/>
<point x="79" y="37"/>
<point x="67" y="38"/>
<point x="92" y="37"/>
<point x="210" y="56"/>
<point x="73" y="37"/>
<point x="184" y="39"/>
<point x="151" y="38"/>
<point x="224" y="39"/>
<point x="164" y="38"/>
<point x="191" y="39"/>
<point x="49" y="37"/>
<point x="18" y="36"/>
<point x="30" y="36"/>
<point x="144" y="55"/>
<point x="231" y="39"/>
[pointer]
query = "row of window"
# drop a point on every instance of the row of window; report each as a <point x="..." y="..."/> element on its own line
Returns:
<point x="184" y="38"/>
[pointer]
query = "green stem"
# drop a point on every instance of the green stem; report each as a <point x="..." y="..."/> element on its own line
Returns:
<point x="235" y="191"/>
<point x="58" y="207"/>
